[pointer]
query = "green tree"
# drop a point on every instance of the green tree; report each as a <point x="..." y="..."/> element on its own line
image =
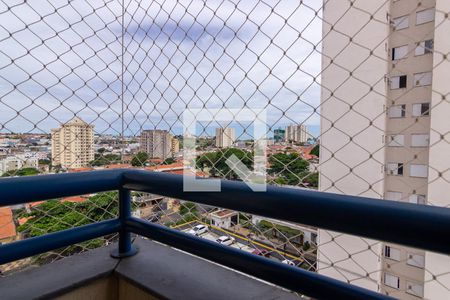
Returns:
<point x="316" y="150"/>
<point x="290" y="167"/>
<point x="140" y="159"/>
<point x="169" y="161"/>
<point x="312" y="179"/>
<point x="21" y="172"/>
<point x="102" y="160"/>
<point x="215" y="162"/>
<point x="54" y="215"/>
<point x="44" y="162"/>
<point x="188" y="207"/>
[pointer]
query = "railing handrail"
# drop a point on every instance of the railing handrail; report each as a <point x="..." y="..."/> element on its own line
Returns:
<point x="421" y="226"/>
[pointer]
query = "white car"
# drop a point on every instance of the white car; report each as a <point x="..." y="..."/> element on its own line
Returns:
<point x="288" y="262"/>
<point x="198" y="230"/>
<point x="225" y="240"/>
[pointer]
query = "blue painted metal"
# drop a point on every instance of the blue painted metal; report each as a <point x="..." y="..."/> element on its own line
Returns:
<point x="36" y="245"/>
<point x="293" y="278"/>
<point x="419" y="226"/>
<point x="19" y="190"/>
<point x="125" y="248"/>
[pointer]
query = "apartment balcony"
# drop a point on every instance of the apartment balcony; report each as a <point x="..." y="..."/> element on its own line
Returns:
<point x="151" y="261"/>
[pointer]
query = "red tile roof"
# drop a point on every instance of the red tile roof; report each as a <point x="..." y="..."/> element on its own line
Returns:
<point x="23" y="220"/>
<point x="163" y="168"/>
<point x="75" y="170"/>
<point x="118" y="166"/>
<point x="76" y="199"/>
<point x="7" y="226"/>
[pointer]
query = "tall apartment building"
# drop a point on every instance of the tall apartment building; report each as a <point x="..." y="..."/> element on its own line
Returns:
<point x="297" y="134"/>
<point x="384" y="117"/>
<point x="156" y="143"/>
<point x="225" y="137"/>
<point x="73" y="144"/>
<point x="278" y="135"/>
<point x="175" y="145"/>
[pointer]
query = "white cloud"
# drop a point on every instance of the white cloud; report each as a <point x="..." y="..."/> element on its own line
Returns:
<point x="177" y="54"/>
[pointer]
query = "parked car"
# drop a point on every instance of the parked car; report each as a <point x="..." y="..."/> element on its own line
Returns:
<point x="288" y="262"/>
<point x="261" y="252"/>
<point x="225" y="240"/>
<point x="198" y="230"/>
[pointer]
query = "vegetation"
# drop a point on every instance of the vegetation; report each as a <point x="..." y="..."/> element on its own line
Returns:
<point x="316" y="150"/>
<point x="306" y="246"/>
<point x="102" y="160"/>
<point x="188" y="207"/>
<point x="216" y="164"/>
<point x="312" y="179"/>
<point x="54" y="215"/>
<point x="286" y="231"/>
<point x="169" y="161"/>
<point x="140" y="159"/>
<point x="289" y="168"/>
<point x="203" y="143"/>
<point x="21" y="172"/>
<point x="44" y="162"/>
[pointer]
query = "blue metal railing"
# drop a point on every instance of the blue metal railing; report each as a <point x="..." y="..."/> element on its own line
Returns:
<point x="414" y="225"/>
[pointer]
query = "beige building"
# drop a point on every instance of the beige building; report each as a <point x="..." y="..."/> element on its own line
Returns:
<point x="383" y="82"/>
<point x="17" y="162"/>
<point x="157" y="143"/>
<point x="73" y="144"/>
<point x="175" y="146"/>
<point x="297" y="134"/>
<point x="225" y="137"/>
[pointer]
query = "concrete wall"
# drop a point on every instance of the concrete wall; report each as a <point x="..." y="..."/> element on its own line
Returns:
<point x="352" y="106"/>
<point x="439" y="166"/>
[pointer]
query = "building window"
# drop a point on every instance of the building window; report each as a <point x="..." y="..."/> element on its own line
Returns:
<point x="397" y="111"/>
<point x="397" y="140"/>
<point x="420" y="140"/>
<point x="395" y="168"/>
<point x="391" y="280"/>
<point x="414" y="288"/>
<point x="399" y="52"/>
<point x="417" y="199"/>
<point x="393" y="196"/>
<point x="424" y="47"/>
<point x="398" y="82"/>
<point x="422" y="79"/>
<point x="392" y="253"/>
<point x="425" y="16"/>
<point x="400" y="22"/>
<point x="421" y="109"/>
<point x="416" y="260"/>
<point x="418" y="171"/>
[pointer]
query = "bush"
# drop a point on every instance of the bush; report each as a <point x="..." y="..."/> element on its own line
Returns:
<point x="306" y="246"/>
<point x="140" y="159"/>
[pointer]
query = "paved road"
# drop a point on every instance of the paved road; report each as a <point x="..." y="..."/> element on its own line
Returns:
<point x="243" y="243"/>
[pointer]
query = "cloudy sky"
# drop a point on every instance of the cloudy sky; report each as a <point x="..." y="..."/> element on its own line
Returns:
<point x="61" y="58"/>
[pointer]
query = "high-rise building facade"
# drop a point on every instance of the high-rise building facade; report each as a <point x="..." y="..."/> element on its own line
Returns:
<point x="73" y="144"/>
<point x="383" y="124"/>
<point x="278" y="135"/>
<point x="225" y="137"/>
<point x="156" y="143"/>
<point x="297" y="134"/>
<point x="175" y="145"/>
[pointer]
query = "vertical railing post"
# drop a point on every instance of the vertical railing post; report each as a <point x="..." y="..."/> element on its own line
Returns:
<point x="125" y="248"/>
